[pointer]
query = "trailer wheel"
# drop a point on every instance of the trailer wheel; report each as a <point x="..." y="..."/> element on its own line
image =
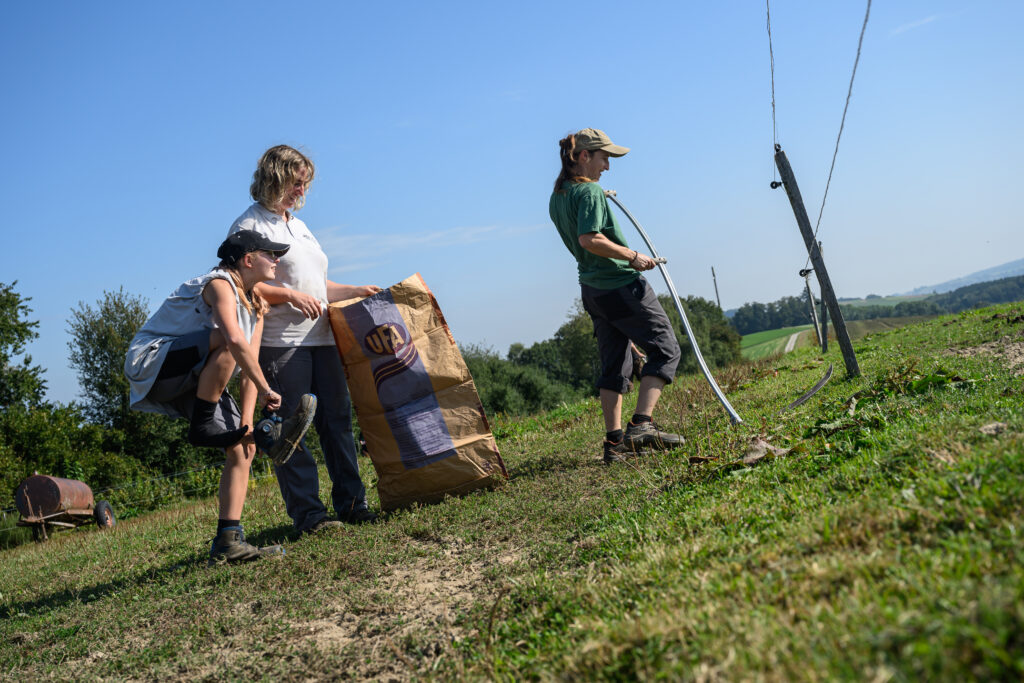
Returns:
<point x="38" y="534"/>
<point x="104" y="515"/>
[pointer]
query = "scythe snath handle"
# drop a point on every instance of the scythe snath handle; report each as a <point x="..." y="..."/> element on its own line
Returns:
<point x="611" y="194"/>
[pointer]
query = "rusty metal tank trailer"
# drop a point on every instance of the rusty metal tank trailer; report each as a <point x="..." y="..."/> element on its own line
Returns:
<point x="51" y="504"/>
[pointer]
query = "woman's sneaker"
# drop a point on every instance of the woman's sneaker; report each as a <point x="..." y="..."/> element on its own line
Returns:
<point x="279" y="438"/>
<point x="230" y="546"/>
<point x="649" y="435"/>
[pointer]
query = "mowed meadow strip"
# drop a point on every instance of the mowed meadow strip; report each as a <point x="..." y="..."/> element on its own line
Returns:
<point x="871" y="533"/>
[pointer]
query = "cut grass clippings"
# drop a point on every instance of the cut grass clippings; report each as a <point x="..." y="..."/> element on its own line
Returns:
<point x="872" y="534"/>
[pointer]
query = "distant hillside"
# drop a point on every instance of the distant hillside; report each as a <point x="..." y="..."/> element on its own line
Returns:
<point x="1011" y="269"/>
<point x="789" y="310"/>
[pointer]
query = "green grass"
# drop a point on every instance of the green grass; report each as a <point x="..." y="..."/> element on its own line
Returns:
<point x="885" y="544"/>
<point x="862" y="328"/>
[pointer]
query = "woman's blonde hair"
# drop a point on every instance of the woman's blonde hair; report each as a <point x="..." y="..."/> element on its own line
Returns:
<point x="570" y="157"/>
<point x="276" y="172"/>
<point x="253" y="302"/>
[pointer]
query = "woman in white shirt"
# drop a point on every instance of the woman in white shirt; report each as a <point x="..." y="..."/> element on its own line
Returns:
<point x="297" y="353"/>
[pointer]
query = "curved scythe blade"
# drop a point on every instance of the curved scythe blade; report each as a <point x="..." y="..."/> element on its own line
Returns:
<point x="815" y="389"/>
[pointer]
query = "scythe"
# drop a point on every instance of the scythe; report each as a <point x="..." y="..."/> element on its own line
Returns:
<point x="679" y="308"/>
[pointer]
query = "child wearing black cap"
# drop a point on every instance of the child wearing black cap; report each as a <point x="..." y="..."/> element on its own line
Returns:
<point x="181" y="360"/>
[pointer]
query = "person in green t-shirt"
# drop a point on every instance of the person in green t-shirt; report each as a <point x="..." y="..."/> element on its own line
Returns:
<point x="618" y="299"/>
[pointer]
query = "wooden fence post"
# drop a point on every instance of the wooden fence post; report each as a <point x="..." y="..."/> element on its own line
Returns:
<point x="824" y="316"/>
<point x="828" y="295"/>
<point x="810" y="302"/>
<point x="715" y="280"/>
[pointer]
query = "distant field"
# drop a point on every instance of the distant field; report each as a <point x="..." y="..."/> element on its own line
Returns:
<point x="769" y="342"/>
<point x="862" y="328"/>
<point x="769" y="335"/>
<point x="884" y="300"/>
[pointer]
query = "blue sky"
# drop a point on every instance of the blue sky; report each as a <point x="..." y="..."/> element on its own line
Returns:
<point x="132" y="130"/>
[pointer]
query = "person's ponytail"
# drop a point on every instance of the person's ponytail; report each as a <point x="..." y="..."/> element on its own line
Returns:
<point x="569" y="157"/>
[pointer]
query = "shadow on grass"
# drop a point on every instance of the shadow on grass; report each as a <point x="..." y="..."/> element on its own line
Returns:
<point x="175" y="567"/>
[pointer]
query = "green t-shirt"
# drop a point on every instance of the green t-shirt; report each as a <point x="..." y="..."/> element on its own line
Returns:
<point x="582" y="208"/>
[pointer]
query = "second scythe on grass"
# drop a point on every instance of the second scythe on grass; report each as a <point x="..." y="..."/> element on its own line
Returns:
<point x="611" y="194"/>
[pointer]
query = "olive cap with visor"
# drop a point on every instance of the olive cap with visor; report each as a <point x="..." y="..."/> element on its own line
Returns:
<point x="592" y="139"/>
<point x="243" y="242"/>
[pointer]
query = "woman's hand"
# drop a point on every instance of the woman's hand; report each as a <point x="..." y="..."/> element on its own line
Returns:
<point x="366" y="290"/>
<point x="270" y="399"/>
<point x="642" y="262"/>
<point x="307" y="304"/>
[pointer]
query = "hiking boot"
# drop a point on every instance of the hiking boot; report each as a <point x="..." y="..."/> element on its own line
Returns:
<point x="616" y="451"/>
<point x="649" y="434"/>
<point x="323" y="525"/>
<point x="279" y="438"/>
<point x="360" y="516"/>
<point x="230" y="546"/>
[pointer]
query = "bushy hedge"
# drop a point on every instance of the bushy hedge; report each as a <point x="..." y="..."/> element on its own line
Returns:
<point x="506" y="387"/>
<point x="567" y="365"/>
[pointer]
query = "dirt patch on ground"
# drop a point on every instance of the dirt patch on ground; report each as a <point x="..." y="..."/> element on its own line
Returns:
<point x="400" y="627"/>
<point x="1007" y="350"/>
<point x="413" y="608"/>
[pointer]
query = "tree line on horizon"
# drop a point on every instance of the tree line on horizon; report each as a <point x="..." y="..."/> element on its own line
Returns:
<point x="794" y="310"/>
<point x="566" y="367"/>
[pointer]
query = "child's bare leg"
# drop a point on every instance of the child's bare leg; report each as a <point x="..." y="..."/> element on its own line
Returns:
<point x="234" y="480"/>
<point x="215" y="375"/>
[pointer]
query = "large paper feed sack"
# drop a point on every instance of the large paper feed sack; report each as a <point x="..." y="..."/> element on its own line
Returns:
<point x="418" y="408"/>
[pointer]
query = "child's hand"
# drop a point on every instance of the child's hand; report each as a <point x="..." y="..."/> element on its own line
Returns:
<point x="270" y="399"/>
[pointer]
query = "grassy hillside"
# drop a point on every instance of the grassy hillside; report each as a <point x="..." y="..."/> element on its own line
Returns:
<point x="862" y="328"/>
<point x="872" y="533"/>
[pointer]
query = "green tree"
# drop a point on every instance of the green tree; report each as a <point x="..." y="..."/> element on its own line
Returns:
<point x="577" y="347"/>
<point x="570" y="356"/>
<point x="719" y="342"/>
<point x="99" y="342"/>
<point x="506" y="387"/>
<point x="100" y="336"/>
<point x="21" y="383"/>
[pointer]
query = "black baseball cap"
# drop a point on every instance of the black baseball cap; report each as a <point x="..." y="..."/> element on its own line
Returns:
<point x="243" y="242"/>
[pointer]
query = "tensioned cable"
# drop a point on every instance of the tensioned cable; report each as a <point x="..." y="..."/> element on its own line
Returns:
<point x="842" y="123"/>
<point x="771" y="57"/>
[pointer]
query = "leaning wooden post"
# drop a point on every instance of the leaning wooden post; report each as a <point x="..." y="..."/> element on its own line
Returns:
<point x="827" y="293"/>
<point x="810" y="301"/>
<point x="824" y="316"/>
<point x="715" y="280"/>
